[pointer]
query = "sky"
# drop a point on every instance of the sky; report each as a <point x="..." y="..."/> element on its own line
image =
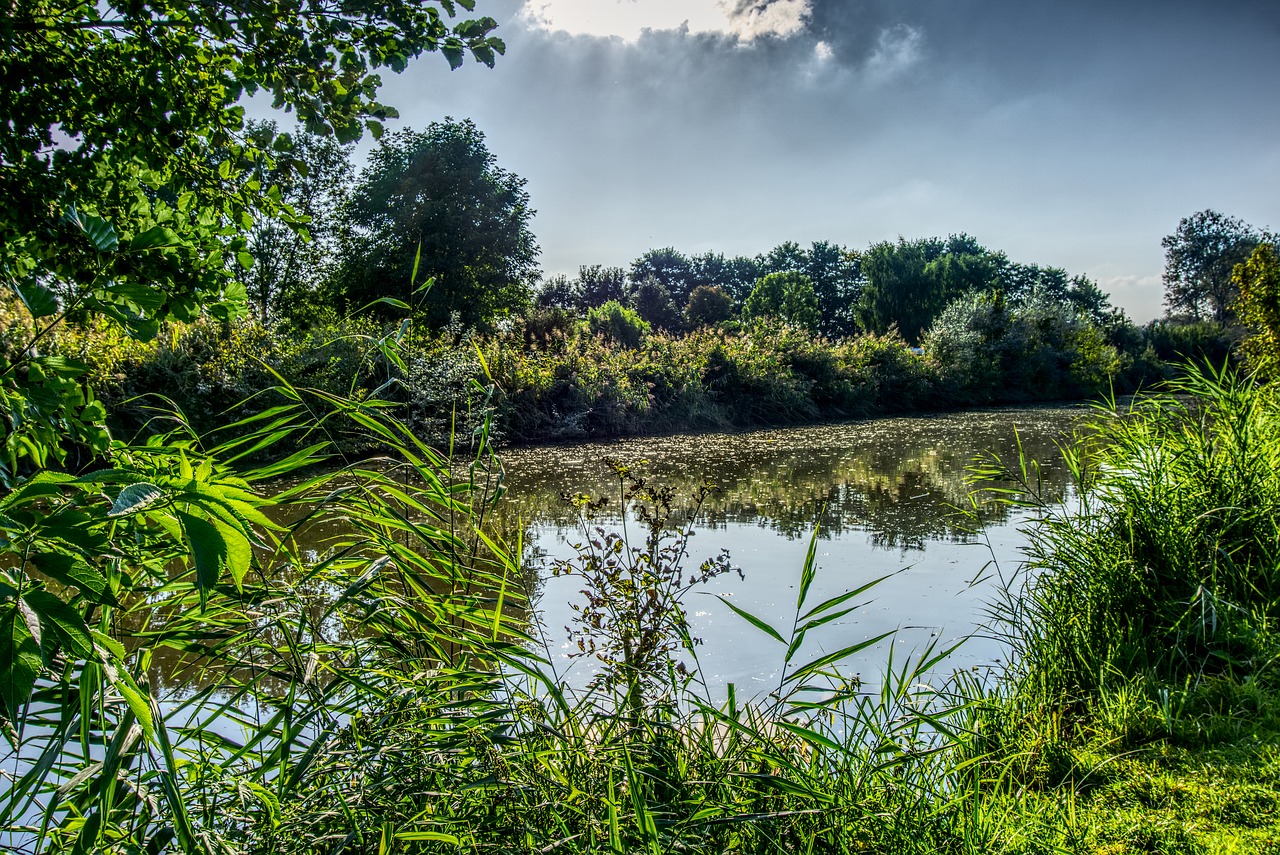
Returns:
<point x="1070" y="133"/>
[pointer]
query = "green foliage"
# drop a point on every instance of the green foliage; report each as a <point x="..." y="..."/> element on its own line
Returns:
<point x="633" y="620"/>
<point x="987" y="350"/>
<point x="1195" y="342"/>
<point x="708" y="306"/>
<point x="292" y="255"/>
<point x="652" y="302"/>
<point x="617" y="323"/>
<point x="1165" y="571"/>
<point x="908" y="284"/>
<point x="129" y="184"/>
<point x="436" y="203"/>
<point x="1199" y="259"/>
<point x="1257" y="282"/>
<point x="669" y="268"/>
<point x="785" y="296"/>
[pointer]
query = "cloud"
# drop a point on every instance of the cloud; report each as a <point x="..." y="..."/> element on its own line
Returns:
<point x="750" y="19"/>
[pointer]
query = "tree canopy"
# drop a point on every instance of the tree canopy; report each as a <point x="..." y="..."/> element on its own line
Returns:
<point x="437" y="201"/>
<point x="1199" y="257"/>
<point x="788" y="296"/>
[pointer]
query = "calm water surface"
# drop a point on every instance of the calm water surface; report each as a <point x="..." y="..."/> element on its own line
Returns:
<point x="882" y="493"/>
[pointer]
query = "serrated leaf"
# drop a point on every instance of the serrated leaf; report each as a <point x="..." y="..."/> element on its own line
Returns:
<point x="209" y="550"/>
<point x="102" y="235"/>
<point x="73" y="571"/>
<point x="245" y="259"/>
<point x="134" y="498"/>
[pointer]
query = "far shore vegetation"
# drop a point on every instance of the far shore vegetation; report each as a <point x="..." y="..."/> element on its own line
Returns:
<point x="218" y="342"/>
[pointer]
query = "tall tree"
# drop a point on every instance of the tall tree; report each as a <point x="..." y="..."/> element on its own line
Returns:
<point x="836" y="274"/>
<point x="1198" y="260"/>
<point x="652" y="302"/>
<point x="788" y="296"/>
<point x="597" y="285"/>
<point x="438" y="200"/>
<point x="293" y="250"/>
<point x="909" y="283"/>
<point x="737" y="275"/>
<point x="670" y="267"/>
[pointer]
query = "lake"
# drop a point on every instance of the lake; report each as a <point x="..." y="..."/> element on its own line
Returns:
<point x="884" y="494"/>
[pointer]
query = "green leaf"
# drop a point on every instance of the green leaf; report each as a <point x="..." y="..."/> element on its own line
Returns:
<point x="823" y="661"/>
<point x="758" y="623"/>
<point x="138" y="703"/>
<point x="245" y="259"/>
<point x="38" y="299"/>
<point x="436" y="836"/>
<point x="19" y="657"/>
<point x="65" y="622"/>
<point x="134" y="498"/>
<point x="73" y="571"/>
<point x="209" y="550"/>
<point x="454" y="54"/>
<point x="155" y="237"/>
<point x="101" y="234"/>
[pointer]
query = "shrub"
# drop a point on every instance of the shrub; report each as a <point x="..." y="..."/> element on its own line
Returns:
<point x="617" y="323"/>
<point x="708" y="305"/>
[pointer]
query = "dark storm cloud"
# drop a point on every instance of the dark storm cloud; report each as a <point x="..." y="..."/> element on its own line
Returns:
<point x="1069" y="133"/>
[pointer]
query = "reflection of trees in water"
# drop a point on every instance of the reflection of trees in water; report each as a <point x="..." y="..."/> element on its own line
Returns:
<point x="901" y="481"/>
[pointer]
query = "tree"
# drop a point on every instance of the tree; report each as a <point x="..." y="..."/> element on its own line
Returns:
<point x="651" y="300"/>
<point x="291" y="253"/>
<point x="670" y="268"/>
<point x="708" y="305"/>
<point x="436" y="200"/>
<point x="901" y="289"/>
<point x="788" y="296"/>
<point x="735" y="275"/>
<point x="598" y="285"/>
<point x="836" y="274"/>
<point x="1199" y="258"/>
<point x="557" y="293"/>
<point x="1257" y="282"/>
<point x="127" y="178"/>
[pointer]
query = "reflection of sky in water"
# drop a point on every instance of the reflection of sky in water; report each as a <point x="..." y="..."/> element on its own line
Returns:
<point x="884" y="492"/>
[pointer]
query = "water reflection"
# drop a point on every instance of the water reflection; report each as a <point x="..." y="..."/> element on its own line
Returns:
<point x="886" y="494"/>
<point x="899" y="481"/>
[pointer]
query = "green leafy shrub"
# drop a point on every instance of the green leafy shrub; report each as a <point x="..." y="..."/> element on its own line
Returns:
<point x="618" y="323"/>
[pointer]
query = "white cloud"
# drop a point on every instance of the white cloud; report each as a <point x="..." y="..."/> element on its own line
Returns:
<point x="750" y="19"/>
<point x="626" y="19"/>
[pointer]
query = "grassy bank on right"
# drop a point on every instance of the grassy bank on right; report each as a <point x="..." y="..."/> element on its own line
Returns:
<point x="1142" y="711"/>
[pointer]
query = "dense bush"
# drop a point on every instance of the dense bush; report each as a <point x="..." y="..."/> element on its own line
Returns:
<point x="988" y="350"/>
<point x="617" y="323"/>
